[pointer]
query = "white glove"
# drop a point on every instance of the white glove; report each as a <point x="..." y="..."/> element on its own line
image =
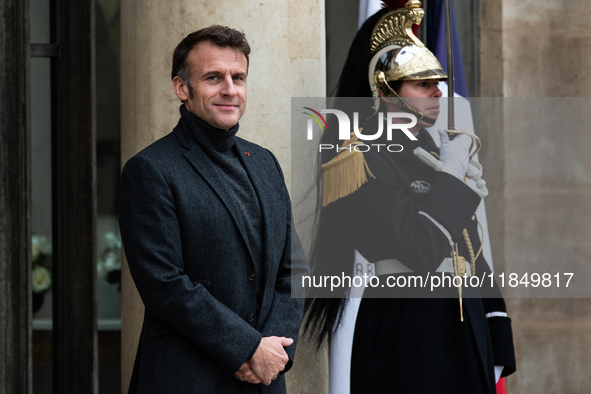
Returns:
<point x="455" y="155"/>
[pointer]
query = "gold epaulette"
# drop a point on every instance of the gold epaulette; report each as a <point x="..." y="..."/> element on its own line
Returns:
<point x="345" y="173"/>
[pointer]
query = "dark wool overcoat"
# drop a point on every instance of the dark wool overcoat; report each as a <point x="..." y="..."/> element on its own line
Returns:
<point x="188" y="253"/>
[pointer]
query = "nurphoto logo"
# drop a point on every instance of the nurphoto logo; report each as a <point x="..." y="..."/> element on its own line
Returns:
<point x="345" y="129"/>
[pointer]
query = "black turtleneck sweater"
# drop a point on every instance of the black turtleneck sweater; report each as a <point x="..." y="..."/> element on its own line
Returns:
<point x="218" y="145"/>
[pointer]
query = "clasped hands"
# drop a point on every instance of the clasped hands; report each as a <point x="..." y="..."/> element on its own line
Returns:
<point x="267" y="362"/>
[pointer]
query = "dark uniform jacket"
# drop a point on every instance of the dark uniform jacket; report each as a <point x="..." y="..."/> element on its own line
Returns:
<point x="419" y="345"/>
<point x="189" y="255"/>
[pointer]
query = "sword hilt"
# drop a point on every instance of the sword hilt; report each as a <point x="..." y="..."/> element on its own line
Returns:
<point x="475" y="140"/>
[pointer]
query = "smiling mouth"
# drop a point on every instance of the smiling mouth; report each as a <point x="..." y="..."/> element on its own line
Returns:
<point x="226" y="106"/>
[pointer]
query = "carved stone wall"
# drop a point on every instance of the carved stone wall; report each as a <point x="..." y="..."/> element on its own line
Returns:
<point x="540" y="180"/>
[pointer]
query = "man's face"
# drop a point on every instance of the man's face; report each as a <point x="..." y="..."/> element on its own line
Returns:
<point x="218" y="77"/>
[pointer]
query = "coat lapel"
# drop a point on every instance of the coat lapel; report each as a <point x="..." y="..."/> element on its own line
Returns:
<point x="199" y="160"/>
<point x="259" y="175"/>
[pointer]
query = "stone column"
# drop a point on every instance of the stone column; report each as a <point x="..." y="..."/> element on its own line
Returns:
<point x="287" y="60"/>
<point x="541" y="179"/>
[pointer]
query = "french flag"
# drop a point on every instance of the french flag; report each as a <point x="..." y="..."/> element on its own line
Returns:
<point x="437" y="43"/>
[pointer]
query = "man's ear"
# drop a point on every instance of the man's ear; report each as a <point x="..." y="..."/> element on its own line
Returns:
<point x="180" y="88"/>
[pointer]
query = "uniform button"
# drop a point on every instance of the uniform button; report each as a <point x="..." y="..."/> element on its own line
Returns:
<point x="251" y="317"/>
<point x="251" y="276"/>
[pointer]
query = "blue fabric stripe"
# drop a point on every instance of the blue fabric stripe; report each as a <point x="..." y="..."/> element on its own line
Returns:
<point x="436" y="42"/>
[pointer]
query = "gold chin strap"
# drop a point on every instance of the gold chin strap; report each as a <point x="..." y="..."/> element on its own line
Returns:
<point x="381" y="83"/>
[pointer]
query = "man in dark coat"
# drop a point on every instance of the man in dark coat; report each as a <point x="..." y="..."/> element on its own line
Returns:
<point x="206" y="225"/>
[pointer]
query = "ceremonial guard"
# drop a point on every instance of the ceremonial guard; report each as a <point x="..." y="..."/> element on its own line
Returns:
<point x="411" y="212"/>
